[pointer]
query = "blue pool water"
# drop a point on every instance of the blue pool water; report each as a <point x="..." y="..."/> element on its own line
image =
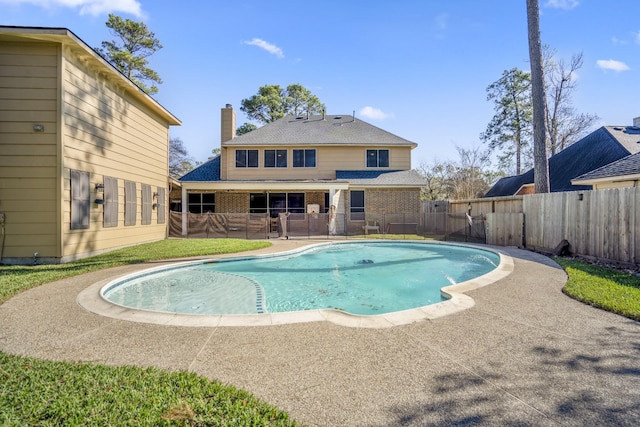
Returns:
<point x="357" y="277"/>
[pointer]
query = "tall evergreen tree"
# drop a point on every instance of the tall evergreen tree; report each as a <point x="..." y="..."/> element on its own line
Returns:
<point x="510" y="128"/>
<point x="134" y="43"/>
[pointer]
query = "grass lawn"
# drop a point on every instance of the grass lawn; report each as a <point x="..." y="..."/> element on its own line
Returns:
<point x="608" y="289"/>
<point x="46" y="393"/>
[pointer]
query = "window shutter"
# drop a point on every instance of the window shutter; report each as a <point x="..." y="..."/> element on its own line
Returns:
<point x="80" y="200"/>
<point x="161" y="206"/>
<point x="146" y="204"/>
<point x="110" y="202"/>
<point x="130" y="203"/>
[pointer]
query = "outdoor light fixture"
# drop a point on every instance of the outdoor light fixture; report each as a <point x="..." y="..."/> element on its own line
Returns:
<point x="99" y="190"/>
<point x="38" y="128"/>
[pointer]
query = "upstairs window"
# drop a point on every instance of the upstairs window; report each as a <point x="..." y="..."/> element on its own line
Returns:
<point x="304" y="158"/>
<point x="275" y="158"/>
<point x="377" y="158"/>
<point x="246" y="158"/>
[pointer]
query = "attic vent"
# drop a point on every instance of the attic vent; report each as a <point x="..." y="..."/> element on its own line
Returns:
<point x="337" y="117"/>
<point x="299" y="118"/>
<point x="617" y="128"/>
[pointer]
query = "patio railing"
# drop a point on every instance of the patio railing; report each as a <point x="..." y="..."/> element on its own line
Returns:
<point x="330" y="226"/>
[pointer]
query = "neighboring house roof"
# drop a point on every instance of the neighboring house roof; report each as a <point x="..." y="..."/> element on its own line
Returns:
<point x="406" y="178"/>
<point x="601" y="147"/>
<point x="318" y="131"/>
<point x="208" y="171"/>
<point x="627" y="166"/>
<point x="98" y="64"/>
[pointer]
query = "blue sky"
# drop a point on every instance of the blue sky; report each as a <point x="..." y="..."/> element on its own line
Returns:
<point x="416" y="68"/>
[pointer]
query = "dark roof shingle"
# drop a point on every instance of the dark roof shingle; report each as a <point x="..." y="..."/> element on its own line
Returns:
<point x="601" y="147"/>
<point x="318" y="130"/>
<point x="629" y="165"/>
<point x="208" y="171"/>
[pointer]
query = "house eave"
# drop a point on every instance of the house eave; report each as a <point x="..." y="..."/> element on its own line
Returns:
<point x="264" y="185"/>
<point x="617" y="178"/>
<point x="66" y="37"/>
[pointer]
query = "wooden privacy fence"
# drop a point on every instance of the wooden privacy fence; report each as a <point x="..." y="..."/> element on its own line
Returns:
<point x="600" y="223"/>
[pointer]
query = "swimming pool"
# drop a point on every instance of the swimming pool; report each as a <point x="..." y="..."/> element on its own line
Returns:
<point x="361" y="278"/>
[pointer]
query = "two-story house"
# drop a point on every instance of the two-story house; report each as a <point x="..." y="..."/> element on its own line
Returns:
<point x="83" y="151"/>
<point x="326" y="166"/>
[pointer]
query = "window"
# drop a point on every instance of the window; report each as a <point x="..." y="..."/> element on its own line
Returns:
<point x="356" y="200"/>
<point x="304" y="158"/>
<point x="146" y="204"/>
<point x="130" y="203"/>
<point x="275" y="203"/>
<point x="110" y="215"/>
<point x="275" y="158"/>
<point x="258" y="203"/>
<point x="202" y="203"/>
<point x="246" y="158"/>
<point x="377" y="158"/>
<point x="295" y="203"/>
<point x="80" y="200"/>
<point x="160" y="206"/>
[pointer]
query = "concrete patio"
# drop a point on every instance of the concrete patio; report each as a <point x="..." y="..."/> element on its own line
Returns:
<point x="525" y="354"/>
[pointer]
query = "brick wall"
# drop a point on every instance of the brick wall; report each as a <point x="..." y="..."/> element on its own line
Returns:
<point x="392" y="201"/>
<point x="232" y="202"/>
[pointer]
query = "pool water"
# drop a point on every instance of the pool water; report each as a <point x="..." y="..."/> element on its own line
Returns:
<point x="363" y="278"/>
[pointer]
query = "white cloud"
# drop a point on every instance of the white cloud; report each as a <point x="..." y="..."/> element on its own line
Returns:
<point x="87" y="7"/>
<point x="442" y="21"/>
<point x="271" y="48"/>
<point x="612" y="64"/>
<point x="374" y="113"/>
<point x="562" y="4"/>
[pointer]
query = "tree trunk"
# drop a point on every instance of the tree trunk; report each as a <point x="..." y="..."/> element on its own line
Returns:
<point x="540" y="165"/>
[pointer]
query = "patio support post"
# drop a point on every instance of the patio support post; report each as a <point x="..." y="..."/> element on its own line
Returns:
<point x="185" y="209"/>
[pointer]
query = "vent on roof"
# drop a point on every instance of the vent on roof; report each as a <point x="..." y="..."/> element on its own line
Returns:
<point x="337" y="117"/>
<point x="617" y="128"/>
<point x="299" y="118"/>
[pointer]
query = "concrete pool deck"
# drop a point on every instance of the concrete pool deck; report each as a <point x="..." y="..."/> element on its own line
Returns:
<point x="524" y="354"/>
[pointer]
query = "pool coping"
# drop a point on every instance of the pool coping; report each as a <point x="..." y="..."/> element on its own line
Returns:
<point x="91" y="300"/>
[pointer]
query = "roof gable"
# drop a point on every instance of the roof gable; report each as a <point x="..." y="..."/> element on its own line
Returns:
<point x="95" y="62"/>
<point x="319" y="130"/>
<point x="208" y="171"/>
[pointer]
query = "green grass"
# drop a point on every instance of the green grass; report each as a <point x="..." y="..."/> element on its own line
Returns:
<point x="42" y="393"/>
<point x="608" y="289"/>
<point x="47" y="393"/>
<point x="14" y="279"/>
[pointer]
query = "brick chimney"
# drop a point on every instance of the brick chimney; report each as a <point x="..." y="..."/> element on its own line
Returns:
<point x="227" y="124"/>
